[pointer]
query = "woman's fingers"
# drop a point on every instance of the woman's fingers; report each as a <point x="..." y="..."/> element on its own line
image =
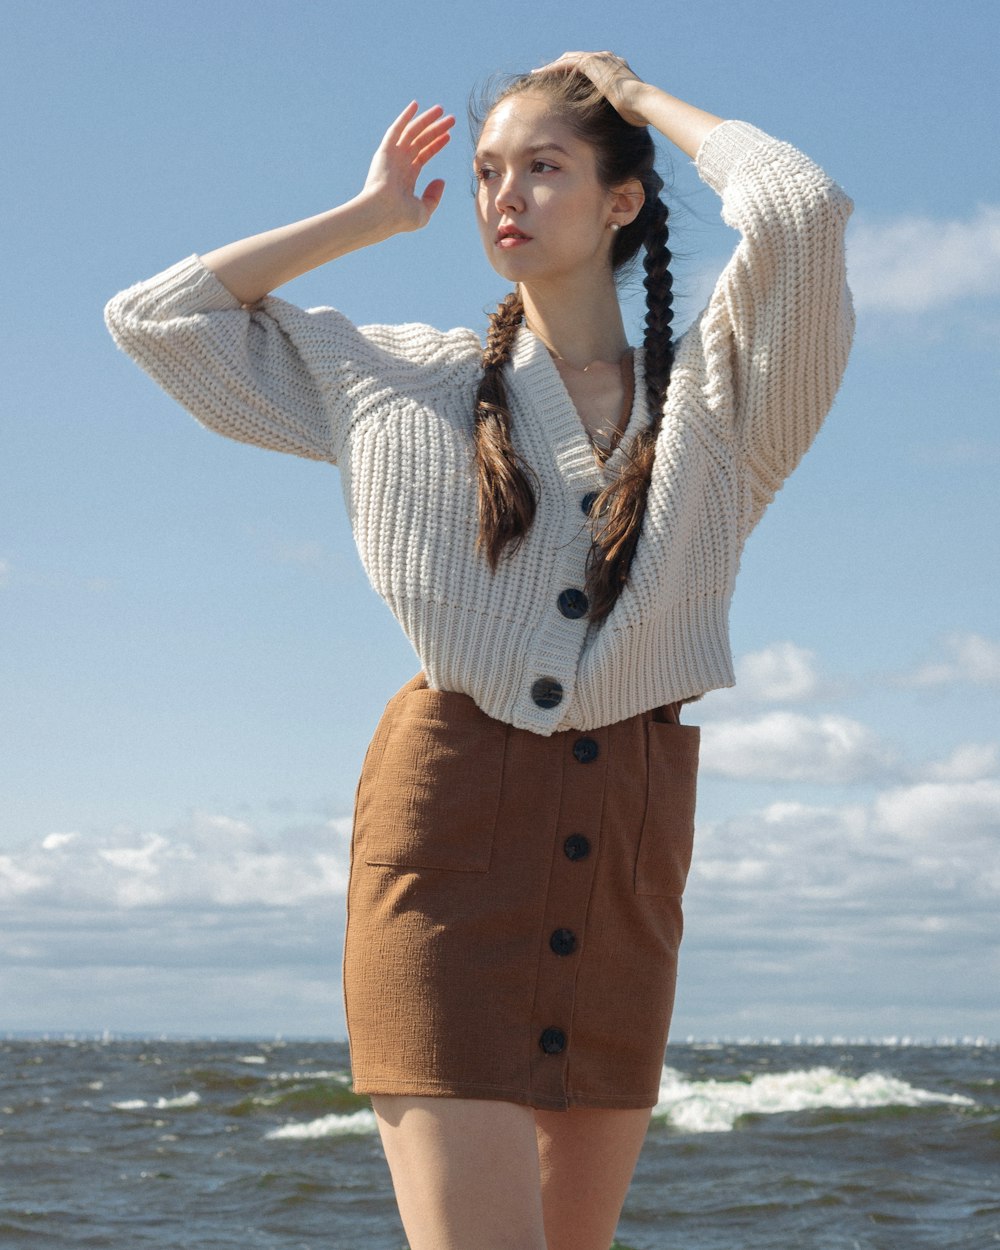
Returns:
<point x="433" y="132"/>
<point x="418" y="124"/>
<point x="411" y="132"/>
<point x="566" y="56"/>
<point x="392" y="135"/>
<point x="417" y="138"/>
<point x="430" y="149"/>
<point x="568" y="60"/>
<point x="610" y="74"/>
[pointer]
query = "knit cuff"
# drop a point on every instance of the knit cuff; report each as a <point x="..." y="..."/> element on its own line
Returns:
<point x="725" y="148"/>
<point x="190" y="287"/>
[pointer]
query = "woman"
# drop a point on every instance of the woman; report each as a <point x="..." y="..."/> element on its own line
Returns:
<point x="556" y="522"/>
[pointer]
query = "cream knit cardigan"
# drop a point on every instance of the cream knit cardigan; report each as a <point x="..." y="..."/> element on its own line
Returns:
<point x="392" y="405"/>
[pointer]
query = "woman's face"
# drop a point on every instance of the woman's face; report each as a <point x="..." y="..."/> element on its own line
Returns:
<point x="542" y="212"/>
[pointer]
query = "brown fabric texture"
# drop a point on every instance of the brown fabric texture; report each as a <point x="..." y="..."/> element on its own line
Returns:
<point x="514" y="908"/>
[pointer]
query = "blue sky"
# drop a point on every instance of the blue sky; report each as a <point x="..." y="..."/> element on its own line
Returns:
<point x="193" y="662"/>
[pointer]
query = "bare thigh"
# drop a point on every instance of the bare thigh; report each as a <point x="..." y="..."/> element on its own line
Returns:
<point x="587" y="1158"/>
<point x="465" y="1171"/>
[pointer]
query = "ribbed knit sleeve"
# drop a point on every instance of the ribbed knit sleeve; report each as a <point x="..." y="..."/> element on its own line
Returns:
<point x="778" y="328"/>
<point x="272" y="374"/>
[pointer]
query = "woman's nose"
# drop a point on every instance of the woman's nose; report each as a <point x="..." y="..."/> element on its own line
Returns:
<point x="508" y="197"/>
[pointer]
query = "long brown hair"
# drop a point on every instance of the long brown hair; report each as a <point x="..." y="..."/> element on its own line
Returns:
<point x="505" y="480"/>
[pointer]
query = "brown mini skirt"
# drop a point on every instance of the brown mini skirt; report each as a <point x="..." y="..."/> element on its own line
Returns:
<point x="514" y="908"/>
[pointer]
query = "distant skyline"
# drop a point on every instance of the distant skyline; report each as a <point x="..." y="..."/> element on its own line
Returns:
<point x="193" y="662"/>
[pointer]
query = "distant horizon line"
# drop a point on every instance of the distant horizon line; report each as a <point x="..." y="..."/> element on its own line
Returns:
<point x="107" y="1036"/>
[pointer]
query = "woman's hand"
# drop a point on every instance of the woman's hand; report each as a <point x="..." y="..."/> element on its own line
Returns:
<point x="612" y="76"/>
<point x="391" y="186"/>
<point x="639" y="102"/>
<point x="389" y="203"/>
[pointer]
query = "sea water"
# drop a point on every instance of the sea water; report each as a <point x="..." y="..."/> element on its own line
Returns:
<point x="208" y="1144"/>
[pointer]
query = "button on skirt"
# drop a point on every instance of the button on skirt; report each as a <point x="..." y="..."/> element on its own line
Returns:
<point x="514" y="908"/>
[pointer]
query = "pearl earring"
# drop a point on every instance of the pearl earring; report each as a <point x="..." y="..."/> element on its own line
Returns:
<point x="614" y="225"/>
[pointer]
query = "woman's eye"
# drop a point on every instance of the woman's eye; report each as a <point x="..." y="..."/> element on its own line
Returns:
<point x="485" y="173"/>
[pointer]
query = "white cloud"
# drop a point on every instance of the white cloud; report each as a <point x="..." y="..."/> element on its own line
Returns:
<point x="210" y="860"/>
<point x="968" y="658"/>
<point x="780" y="673"/>
<point x="138" y="860"/>
<point x="917" y="860"/>
<point x="17" y="879"/>
<point x="946" y="814"/>
<point x="788" y="746"/>
<point x="915" y="263"/>
<point x="204" y="926"/>
<point x="55" y="841"/>
<point x="971" y="761"/>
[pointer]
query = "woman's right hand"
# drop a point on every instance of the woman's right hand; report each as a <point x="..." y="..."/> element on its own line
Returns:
<point x="253" y="267"/>
<point x="391" y="186"/>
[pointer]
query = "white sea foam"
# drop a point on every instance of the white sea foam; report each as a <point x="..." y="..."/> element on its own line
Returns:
<point x="252" y="1059"/>
<point x="190" y="1099"/>
<point x="329" y="1126"/>
<point x="315" y="1075"/>
<point x="715" y="1106"/>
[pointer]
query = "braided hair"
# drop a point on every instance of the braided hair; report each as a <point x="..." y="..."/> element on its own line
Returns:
<point x="505" y="481"/>
<point x="506" y="495"/>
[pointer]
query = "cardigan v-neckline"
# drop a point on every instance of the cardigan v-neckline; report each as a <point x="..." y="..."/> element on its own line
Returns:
<point x="563" y="426"/>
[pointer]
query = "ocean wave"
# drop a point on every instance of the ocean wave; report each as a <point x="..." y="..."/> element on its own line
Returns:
<point x="305" y="1097"/>
<point x="328" y="1126"/>
<point x="317" y="1074"/>
<point x="190" y="1099"/>
<point x="886" y="1042"/>
<point x="716" y="1106"/>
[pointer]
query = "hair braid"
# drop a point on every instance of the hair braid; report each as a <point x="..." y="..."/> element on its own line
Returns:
<point x="622" y="505"/>
<point x="659" y="284"/>
<point x="506" y="497"/>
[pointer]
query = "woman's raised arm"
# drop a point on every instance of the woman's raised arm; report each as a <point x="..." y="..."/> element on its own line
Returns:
<point x="388" y="204"/>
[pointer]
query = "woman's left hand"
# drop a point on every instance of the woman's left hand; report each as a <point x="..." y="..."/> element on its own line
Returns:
<point x="611" y="75"/>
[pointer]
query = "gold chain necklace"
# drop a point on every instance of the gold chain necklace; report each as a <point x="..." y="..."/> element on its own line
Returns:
<point x="604" y="449"/>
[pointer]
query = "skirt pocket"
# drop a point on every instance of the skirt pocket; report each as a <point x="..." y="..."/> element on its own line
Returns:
<point x="430" y="798"/>
<point x="667" y="837"/>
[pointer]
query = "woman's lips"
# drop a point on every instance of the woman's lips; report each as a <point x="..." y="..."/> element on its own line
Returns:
<point x="510" y="236"/>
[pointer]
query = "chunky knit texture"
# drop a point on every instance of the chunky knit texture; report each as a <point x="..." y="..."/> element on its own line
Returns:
<point x="392" y="405"/>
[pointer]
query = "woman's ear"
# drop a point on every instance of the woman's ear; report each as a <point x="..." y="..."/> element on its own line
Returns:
<point x="627" y="201"/>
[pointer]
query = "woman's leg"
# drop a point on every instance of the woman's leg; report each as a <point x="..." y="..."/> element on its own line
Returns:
<point x="587" y="1159"/>
<point x="465" y="1172"/>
